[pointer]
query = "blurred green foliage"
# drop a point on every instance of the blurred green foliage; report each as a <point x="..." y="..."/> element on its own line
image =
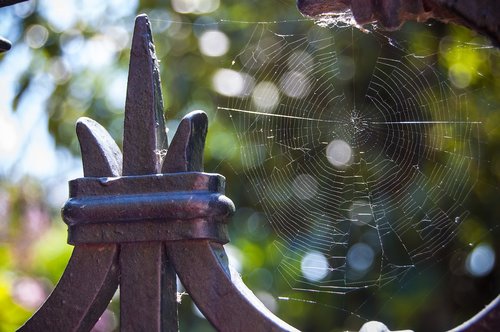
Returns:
<point x="33" y="251"/>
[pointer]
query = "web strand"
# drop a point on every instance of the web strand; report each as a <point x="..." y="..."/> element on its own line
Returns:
<point x="362" y="182"/>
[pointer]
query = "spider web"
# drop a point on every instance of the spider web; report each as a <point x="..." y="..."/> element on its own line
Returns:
<point x="360" y="153"/>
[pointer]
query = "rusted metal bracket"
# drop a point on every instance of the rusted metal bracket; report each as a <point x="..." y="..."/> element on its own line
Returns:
<point x="136" y="220"/>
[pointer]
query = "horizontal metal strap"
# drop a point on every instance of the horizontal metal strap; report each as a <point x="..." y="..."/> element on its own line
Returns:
<point x="150" y="230"/>
<point x="140" y="207"/>
<point x="157" y="207"/>
<point x="146" y="184"/>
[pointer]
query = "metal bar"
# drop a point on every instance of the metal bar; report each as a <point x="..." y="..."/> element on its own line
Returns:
<point x="144" y="126"/>
<point x="146" y="184"/>
<point x="142" y="266"/>
<point x="148" y="283"/>
<point x="82" y="294"/>
<point x="148" y="231"/>
<point x="91" y="276"/>
<point x="218" y="290"/>
<point x="202" y="266"/>
<point x="487" y="320"/>
<point x="157" y="206"/>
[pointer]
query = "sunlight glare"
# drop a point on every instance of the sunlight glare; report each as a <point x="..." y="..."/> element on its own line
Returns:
<point x="9" y="136"/>
<point x="61" y="14"/>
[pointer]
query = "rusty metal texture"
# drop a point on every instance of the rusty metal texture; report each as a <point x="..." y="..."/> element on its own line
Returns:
<point x="481" y="15"/>
<point x="116" y="205"/>
<point x="144" y="136"/>
<point x="148" y="282"/>
<point x="136" y="227"/>
<point x="388" y="14"/>
<point x="147" y="231"/>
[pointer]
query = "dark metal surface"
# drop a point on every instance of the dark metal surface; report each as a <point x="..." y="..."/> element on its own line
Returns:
<point x="6" y="45"/>
<point x="479" y="15"/>
<point x="137" y="226"/>
<point x="487" y="320"/>
<point x="148" y="282"/>
<point x="144" y="136"/>
<point x="147" y="231"/>
<point x="5" y="3"/>
<point x="218" y="291"/>
<point x="91" y="277"/>
<point x="202" y="265"/>
<point x="388" y="14"/>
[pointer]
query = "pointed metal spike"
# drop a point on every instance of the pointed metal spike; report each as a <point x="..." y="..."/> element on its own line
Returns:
<point x="185" y="153"/>
<point x="148" y="289"/>
<point x="100" y="154"/>
<point x="144" y="133"/>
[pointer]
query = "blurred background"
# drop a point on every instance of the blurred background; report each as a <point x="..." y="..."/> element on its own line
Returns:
<point x="70" y="59"/>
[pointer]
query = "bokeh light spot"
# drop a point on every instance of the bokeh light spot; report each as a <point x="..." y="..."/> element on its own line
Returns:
<point x="459" y="76"/>
<point x="339" y="153"/>
<point x="195" y="6"/>
<point x="314" y="266"/>
<point x="36" y="36"/>
<point x="347" y="68"/>
<point x="29" y="293"/>
<point x="295" y="84"/>
<point x="360" y="257"/>
<point x="214" y="43"/>
<point x="231" y="83"/>
<point x="480" y="261"/>
<point x="265" y="96"/>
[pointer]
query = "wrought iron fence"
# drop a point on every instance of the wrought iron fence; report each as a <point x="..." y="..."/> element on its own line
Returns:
<point x="139" y="218"/>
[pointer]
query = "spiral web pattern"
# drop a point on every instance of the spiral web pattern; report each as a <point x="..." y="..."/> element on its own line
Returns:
<point x="360" y="154"/>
